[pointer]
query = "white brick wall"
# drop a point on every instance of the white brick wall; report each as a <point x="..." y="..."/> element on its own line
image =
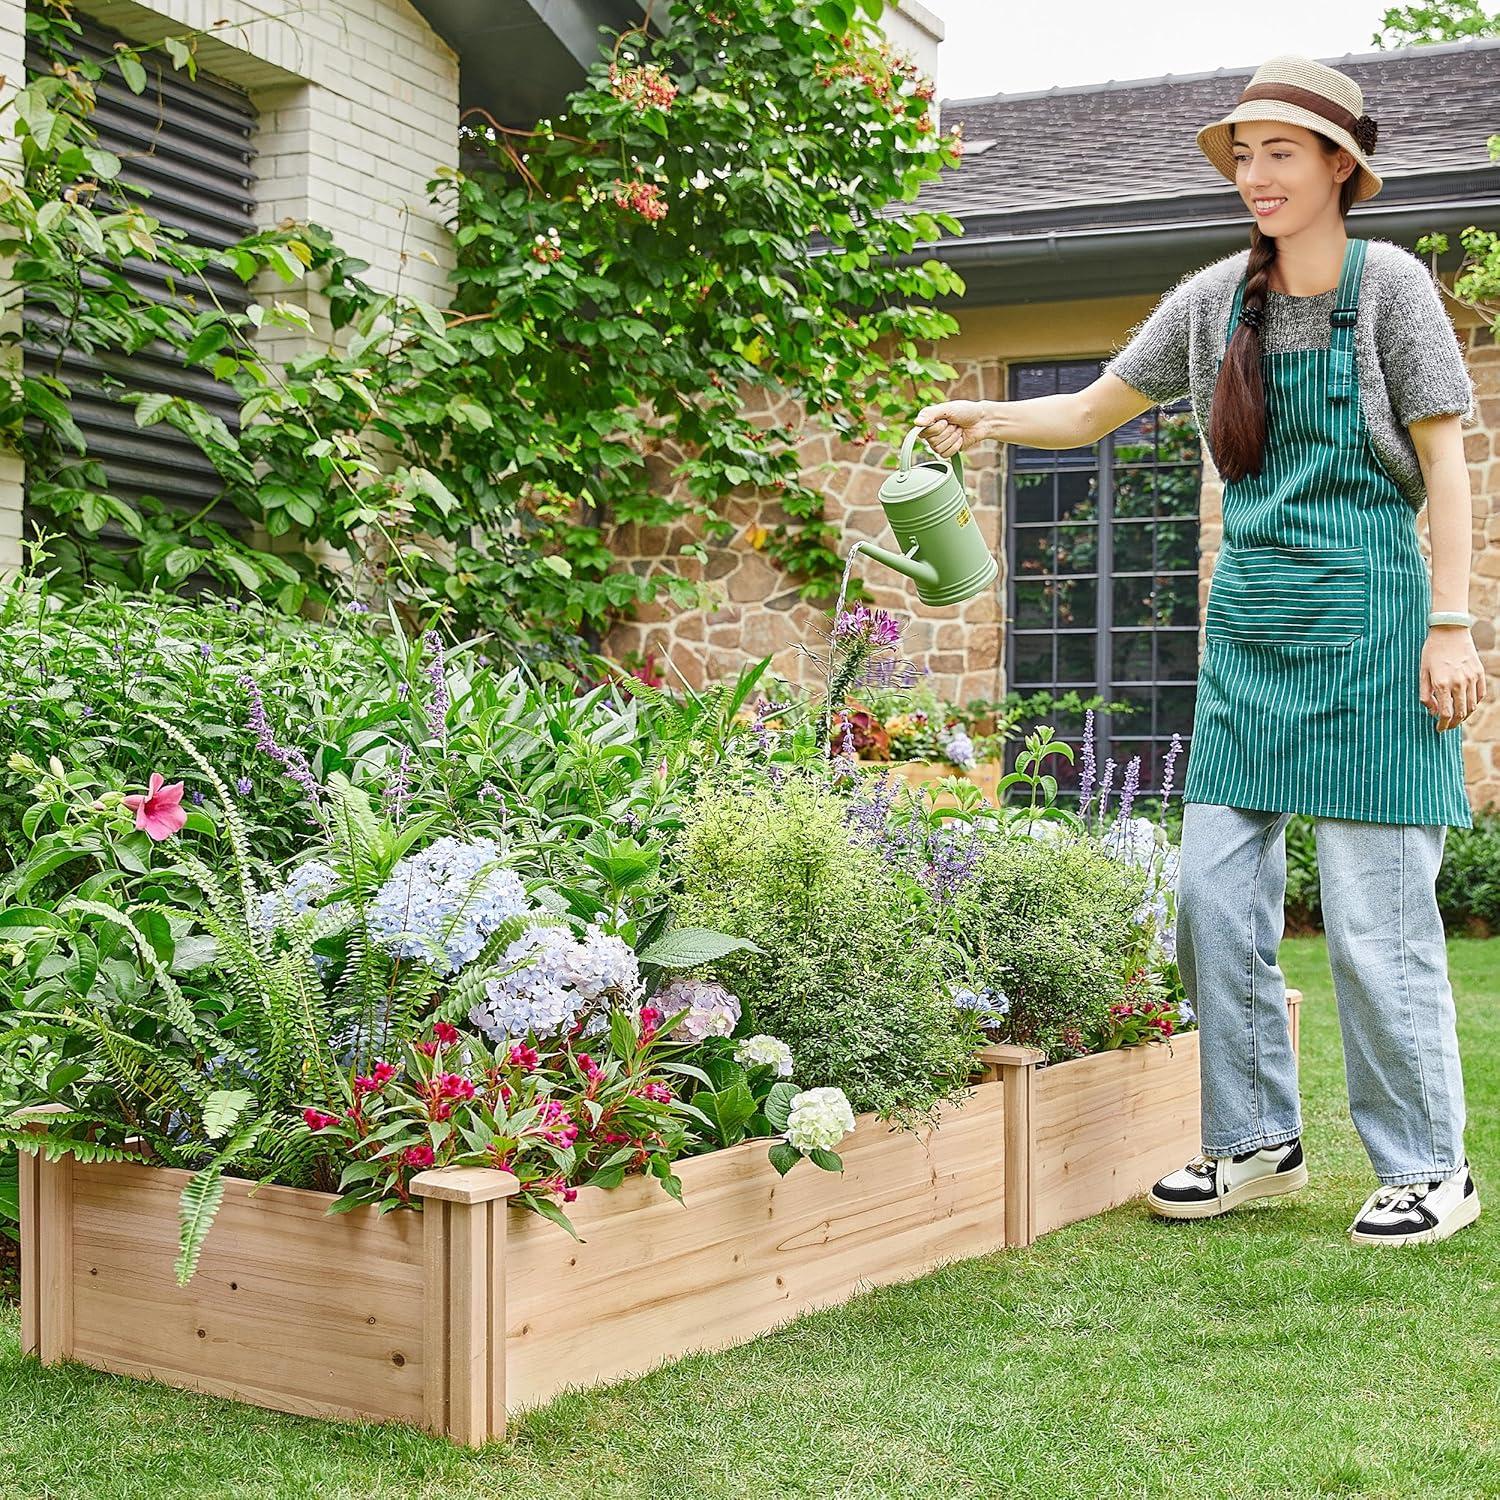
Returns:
<point x="358" y="103"/>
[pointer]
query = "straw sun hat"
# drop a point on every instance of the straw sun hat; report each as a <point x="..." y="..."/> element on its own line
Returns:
<point x="1298" y="91"/>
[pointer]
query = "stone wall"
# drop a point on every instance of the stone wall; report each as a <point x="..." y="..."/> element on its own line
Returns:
<point x="760" y="613"/>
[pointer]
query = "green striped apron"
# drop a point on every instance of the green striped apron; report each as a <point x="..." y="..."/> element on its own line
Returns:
<point x="1308" y="693"/>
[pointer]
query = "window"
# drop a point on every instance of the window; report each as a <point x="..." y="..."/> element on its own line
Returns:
<point x="1102" y="597"/>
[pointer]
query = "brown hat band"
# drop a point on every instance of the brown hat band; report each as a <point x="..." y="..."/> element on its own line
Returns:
<point x="1289" y="93"/>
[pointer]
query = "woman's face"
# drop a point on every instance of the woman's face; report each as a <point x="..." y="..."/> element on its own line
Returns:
<point x="1284" y="175"/>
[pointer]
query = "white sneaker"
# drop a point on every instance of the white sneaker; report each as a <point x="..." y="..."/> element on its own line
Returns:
<point x="1418" y="1213"/>
<point x="1210" y="1185"/>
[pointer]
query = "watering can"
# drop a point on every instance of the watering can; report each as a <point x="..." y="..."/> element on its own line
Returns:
<point x="942" y="551"/>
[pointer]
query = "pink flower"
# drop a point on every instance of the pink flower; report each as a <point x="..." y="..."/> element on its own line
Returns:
<point x="158" y="812"/>
<point x="445" y="1032"/>
<point x="427" y="1049"/>
<point x="557" y="1124"/>
<point x="591" y="1069"/>
<point x="658" y="1093"/>
<point x="522" y="1056"/>
<point x="651" y="1018"/>
<point x="453" y="1086"/>
<point x="384" y="1072"/>
<point x="417" y="1156"/>
<point x="317" y="1120"/>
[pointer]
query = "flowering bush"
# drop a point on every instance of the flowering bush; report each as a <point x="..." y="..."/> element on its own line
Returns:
<point x="848" y="967"/>
<point x="558" y="1118"/>
<point x="552" y="979"/>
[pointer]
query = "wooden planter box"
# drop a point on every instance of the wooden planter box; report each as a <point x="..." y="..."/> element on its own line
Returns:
<point x="1089" y="1134"/>
<point x="448" y="1318"/>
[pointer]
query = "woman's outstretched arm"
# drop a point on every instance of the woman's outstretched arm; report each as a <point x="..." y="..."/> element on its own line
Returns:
<point x="1072" y="419"/>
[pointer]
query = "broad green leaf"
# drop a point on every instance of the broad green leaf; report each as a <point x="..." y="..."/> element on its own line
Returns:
<point x="688" y="947"/>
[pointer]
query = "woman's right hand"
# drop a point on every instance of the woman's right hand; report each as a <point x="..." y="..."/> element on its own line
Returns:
<point x="952" y="425"/>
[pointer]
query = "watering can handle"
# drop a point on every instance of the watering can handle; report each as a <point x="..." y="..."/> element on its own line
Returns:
<point x="910" y="443"/>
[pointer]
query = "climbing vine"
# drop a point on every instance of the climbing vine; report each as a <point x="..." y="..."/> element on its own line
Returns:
<point x="726" y="203"/>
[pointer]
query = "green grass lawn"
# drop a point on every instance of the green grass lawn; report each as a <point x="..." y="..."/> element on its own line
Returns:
<point x="1257" y="1355"/>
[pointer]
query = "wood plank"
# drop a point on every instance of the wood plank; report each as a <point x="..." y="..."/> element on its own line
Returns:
<point x="747" y="1250"/>
<point x="31" y="1238"/>
<point x="1105" y="1127"/>
<point x="435" y="1316"/>
<point x="55" y="1302"/>
<point x="468" y="1322"/>
<point x="289" y="1308"/>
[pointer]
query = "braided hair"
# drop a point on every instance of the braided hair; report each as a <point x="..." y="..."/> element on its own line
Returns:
<point x="1237" y="419"/>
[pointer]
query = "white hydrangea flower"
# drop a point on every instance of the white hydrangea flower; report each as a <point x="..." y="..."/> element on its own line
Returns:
<point x="765" y="1052"/>
<point x="819" y="1119"/>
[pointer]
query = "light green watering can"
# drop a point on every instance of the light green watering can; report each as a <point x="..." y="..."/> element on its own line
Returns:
<point x="942" y="551"/>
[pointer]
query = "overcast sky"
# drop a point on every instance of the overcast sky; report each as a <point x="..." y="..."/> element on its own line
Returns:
<point x="1002" y="46"/>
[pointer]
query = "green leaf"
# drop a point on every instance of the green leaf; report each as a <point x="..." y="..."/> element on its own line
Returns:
<point x="779" y="1104"/>
<point x="135" y="80"/>
<point x="828" y="1160"/>
<point x="689" y="947"/>
<point x="195" y="1215"/>
<point x="222" y="1109"/>
<point x="784" y="1156"/>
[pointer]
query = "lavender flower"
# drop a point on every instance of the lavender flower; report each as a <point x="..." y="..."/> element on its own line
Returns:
<point x="292" y="760"/>
<point x="1104" y="787"/>
<point x="1131" y="787"/>
<point x="557" y="977"/>
<point x="356" y="607"/>
<point x="205" y="650"/>
<point x="1166" y="777"/>
<point x="846" y="761"/>
<point x="397" y="790"/>
<point x="441" y="904"/>
<point x="197" y="798"/>
<point x="437" y="675"/>
<point x="951" y="861"/>
<point x="244" y="786"/>
<point x="1086" y="780"/>
<point x="868" y="818"/>
<point x="403" y="691"/>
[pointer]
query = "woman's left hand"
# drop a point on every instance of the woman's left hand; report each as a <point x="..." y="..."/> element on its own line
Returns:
<point x="1452" y="675"/>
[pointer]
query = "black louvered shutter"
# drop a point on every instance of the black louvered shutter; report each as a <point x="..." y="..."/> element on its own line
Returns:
<point x="189" y="142"/>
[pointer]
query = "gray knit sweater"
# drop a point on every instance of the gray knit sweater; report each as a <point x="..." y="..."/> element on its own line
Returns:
<point x="1409" y="358"/>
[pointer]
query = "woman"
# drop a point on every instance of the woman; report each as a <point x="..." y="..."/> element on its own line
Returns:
<point x="1335" y="674"/>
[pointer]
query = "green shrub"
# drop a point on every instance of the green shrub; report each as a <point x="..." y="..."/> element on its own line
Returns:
<point x="850" y="974"/>
<point x="1049" y="922"/>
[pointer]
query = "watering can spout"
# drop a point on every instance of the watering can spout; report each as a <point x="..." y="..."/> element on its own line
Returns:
<point x="922" y="574"/>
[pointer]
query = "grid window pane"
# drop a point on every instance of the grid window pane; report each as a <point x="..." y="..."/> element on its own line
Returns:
<point x="1126" y="510"/>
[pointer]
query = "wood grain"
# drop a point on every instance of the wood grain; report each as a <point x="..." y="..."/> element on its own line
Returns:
<point x="747" y="1250"/>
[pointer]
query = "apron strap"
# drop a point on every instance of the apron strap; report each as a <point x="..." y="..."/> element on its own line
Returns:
<point x="1343" y="377"/>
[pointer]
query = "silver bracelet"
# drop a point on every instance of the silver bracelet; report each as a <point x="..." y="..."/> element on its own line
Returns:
<point x="1450" y="617"/>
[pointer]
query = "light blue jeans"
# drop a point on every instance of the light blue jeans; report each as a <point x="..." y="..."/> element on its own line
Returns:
<point x="1390" y="980"/>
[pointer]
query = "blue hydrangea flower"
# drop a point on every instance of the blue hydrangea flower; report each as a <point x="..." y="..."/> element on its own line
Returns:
<point x="990" y="1005"/>
<point x="558" y="976"/>
<point x="441" y="904"/>
<point x="958" y="749"/>
<point x="304" y="888"/>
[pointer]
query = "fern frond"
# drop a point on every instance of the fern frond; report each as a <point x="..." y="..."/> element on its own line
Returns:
<point x="196" y="1210"/>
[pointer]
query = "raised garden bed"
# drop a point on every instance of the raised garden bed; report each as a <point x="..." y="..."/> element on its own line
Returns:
<point x="451" y="1318"/>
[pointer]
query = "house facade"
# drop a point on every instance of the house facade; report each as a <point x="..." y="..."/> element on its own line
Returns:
<point x="1081" y="206"/>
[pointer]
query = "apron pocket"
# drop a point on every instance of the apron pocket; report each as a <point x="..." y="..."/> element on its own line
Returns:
<point x="1289" y="596"/>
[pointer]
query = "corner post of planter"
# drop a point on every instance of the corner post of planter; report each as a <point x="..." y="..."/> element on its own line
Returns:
<point x="463" y="1234"/>
<point x="46" y="1192"/>
<point x="1015" y="1069"/>
<point x="1294" y="1019"/>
